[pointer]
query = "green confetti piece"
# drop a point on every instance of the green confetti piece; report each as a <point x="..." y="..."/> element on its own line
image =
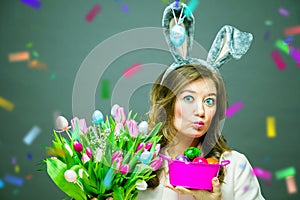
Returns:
<point x="29" y="45"/>
<point x="268" y="23"/>
<point x="105" y="89"/>
<point x="285" y="173"/>
<point x="35" y="54"/>
<point x="52" y="76"/>
<point x="281" y="45"/>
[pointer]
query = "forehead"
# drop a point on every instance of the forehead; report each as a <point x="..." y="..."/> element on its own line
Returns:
<point x="200" y="86"/>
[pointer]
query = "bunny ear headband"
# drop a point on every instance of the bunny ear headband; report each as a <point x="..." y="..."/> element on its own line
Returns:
<point x="178" y="24"/>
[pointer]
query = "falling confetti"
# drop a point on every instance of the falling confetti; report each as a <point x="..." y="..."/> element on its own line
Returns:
<point x="291" y="184"/>
<point x="31" y="135"/>
<point x="278" y="60"/>
<point x="292" y="30"/>
<point x="283" y="11"/>
<point x="124" y="8"/>
<point x="4" y="103"/>
<point x="281" y="174"/>
<point x="132" y="70"/>
<point x="271" y="127"/>
<point x="234" y="108"/>
<point x="19" y="56"/>
<point x="283" y="46"/>
<point x="105" y="89"/>
<point x="92" y="13"/>
<point x="33" y="3"/>
<point x="261" y="173"/>
<point x="15" y="180"/>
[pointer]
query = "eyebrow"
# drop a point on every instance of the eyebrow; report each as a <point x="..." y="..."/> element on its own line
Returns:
<point x="192" y="91"/>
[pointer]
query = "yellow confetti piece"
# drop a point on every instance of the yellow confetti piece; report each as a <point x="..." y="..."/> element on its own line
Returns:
<point x="20" y="56"/>
<point x="291" y="184"/>
<point x="17" y="169"/>
<point x="271" y="127"/>
<point x="37" y="64"/>
<point x="4" y="103"/>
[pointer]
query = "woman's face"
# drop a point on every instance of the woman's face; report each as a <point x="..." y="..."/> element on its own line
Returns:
<point x="195" y="107"/>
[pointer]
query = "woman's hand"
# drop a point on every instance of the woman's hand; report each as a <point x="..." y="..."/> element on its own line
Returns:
<point x="215" y="194"/>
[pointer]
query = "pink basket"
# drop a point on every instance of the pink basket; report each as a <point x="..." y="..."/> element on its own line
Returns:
<point x="193" y="175"/>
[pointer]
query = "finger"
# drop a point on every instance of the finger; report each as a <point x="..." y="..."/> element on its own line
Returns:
<point x="183" y="190"/>
<point x="216" y="185"/>
<point x="168" y="185"/>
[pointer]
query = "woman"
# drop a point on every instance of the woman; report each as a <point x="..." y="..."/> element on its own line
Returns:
<point x="191" y="101"/>
<point x="190" y="98"/>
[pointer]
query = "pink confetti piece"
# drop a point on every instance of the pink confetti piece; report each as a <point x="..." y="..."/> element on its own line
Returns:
<point x="33" y="3"/>
<point x="283" y="11"/>
<point x="292" y="30"/>
<point x="132" y="70"/>
<point x="234" y="108"/>
<point x="291" y="184"/>
<point x="278" y="60"/>
<point x="258" y="172"/>
<point x="93" y="12"/>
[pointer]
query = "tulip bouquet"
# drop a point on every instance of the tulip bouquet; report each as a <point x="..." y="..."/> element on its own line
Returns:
<point x="112" y="158"/>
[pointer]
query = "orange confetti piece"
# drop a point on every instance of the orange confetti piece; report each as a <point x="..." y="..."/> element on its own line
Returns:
<point x="37" y="64"/>
<point x="291" y="184"/>
<point x="20" y="56"/>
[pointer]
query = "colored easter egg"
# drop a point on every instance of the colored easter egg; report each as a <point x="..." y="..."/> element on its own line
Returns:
<point x="200" y="159"/>
<point x="177" y="35"/>
<point x="211" y="161"/>
<point x="182" y="158"/>
<point x="192" y="152"/>
<point x="97" y="117"/>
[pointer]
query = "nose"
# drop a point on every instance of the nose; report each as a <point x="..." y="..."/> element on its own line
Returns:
<point x="199" y="109"/>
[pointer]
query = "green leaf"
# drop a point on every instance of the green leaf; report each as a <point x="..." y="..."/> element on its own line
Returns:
<point x="56" y="170"/>
<point x="153" y="132"/>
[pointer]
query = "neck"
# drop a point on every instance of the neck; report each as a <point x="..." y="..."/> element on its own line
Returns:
<point x="181" y="143"/>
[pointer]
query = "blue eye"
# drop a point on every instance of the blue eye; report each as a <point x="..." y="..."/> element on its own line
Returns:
<point x="188" y="99"/>
<point x="210" y="101"/>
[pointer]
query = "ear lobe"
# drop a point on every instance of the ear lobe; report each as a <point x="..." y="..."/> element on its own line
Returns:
<point x="229" y="43"/>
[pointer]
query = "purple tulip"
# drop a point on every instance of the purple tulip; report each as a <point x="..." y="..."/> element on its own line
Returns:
<point x="118" y="161"/>
<point x="148" y="145"/>
<point x="120" y="115"/>
<point x="132" y="128"/>
<point x="77" y="146"/>
<point x="124" y="169"/>
<point x="88" y="151"/>
<point x="141" y="145"/>
<point x="156" y="163"/>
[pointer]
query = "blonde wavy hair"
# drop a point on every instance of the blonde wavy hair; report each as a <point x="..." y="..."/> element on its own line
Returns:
<point x="162" y="100"/>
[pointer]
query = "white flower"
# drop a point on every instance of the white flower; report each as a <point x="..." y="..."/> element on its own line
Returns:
<point x="70" y="175"/>
<point x="80" y="172"/>
<point x="99" y="154"/>
<point x="141" y="185"/>
<point x="85" y="158"/>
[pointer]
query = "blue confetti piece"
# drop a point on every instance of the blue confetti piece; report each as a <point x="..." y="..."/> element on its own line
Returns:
<point x="31" y="135"/>
<point x="13" y="180"/>
<point x="33" y="3"/>
<point x="1" y="184"/>
<point x="124" y="8"/>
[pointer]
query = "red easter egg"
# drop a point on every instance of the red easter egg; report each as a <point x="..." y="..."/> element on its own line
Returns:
<point x="200" y="159"/>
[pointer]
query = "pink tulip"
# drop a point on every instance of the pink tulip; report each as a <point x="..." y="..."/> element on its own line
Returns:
<point x="148" y="145"/>
<point x="88" y="151"/>
<point x="120" y="115"/>
<point x="141" y="145"/>
<point x="124" y="169"/>
<point x="132" y="128"/>
<point x="85" y="158"/>
<point x="70" y="176"/>
<point x="156" y="163"/>
<point x="81" y="124"/>
<point x="118" y="128"/>
<point x="116" y="155"/>
<point x="77" y="146"/>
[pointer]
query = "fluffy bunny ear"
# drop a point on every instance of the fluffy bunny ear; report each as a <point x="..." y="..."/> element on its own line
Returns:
<point x="229" y="43"/>
<point x="178" y="30"/>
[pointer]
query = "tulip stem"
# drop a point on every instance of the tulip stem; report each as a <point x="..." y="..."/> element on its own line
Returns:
<point x="68" y="134"/>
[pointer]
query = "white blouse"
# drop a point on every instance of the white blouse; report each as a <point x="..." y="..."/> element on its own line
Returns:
<point x="239" y="183"/>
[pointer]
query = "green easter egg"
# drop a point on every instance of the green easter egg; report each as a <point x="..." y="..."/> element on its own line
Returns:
<point x="192" y="152"/>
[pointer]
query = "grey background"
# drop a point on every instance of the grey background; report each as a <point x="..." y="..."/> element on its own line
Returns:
<point x="63" y="39"/>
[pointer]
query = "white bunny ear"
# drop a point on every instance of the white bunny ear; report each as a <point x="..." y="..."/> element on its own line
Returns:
<point x="179" y="31"/>
<point x="229" y="43"/>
